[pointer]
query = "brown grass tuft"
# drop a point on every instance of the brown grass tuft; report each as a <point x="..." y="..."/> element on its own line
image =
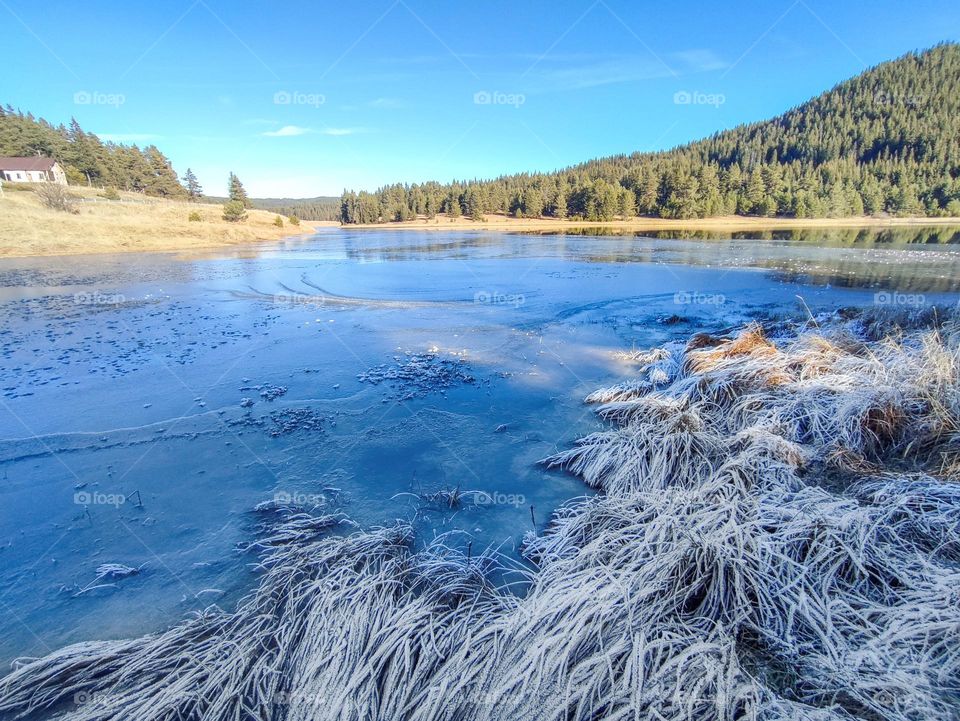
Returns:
<point x="750" y="342"/>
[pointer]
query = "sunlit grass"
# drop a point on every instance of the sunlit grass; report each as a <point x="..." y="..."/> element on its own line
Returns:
<point x="140" y="223"/>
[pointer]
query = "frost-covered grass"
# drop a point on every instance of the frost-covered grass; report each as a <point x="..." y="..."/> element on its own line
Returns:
<point x="775" y="538"/>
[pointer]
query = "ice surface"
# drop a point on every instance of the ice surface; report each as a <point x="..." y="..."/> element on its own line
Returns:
<point x="150" y="403"/>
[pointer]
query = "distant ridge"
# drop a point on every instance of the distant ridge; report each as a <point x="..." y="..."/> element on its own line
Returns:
<point x="884" y="142"/>
<point x="322" y="207"/>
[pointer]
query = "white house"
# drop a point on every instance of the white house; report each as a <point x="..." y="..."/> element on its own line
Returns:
<point x="32" y="170"/>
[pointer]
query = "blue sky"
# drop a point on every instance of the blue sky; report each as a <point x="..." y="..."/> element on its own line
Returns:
<point x="307" y="98"/>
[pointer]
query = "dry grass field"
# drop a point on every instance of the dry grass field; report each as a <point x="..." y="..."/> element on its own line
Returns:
<point x="135" y="223"/>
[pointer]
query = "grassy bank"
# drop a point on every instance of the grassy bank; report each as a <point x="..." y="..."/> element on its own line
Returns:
<point x="775" y="537"/>
<point x="725" y="223"/>
<point x="27" y="228"/>
<point x="139" y="223"/>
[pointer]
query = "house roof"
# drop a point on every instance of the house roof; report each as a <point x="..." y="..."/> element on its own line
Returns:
<point x="33" y="163"/>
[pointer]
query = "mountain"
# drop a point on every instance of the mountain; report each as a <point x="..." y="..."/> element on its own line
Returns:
<point x="323" y="207"/>
<point x="320" y="208"/>
<point x="884" y="142"/>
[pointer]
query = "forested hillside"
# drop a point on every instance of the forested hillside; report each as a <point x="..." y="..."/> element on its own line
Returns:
<point x="323" y="207"/>
<point x="87" y="159"/>
<point x="886" y="141"/>
<point x="319" y="208"/>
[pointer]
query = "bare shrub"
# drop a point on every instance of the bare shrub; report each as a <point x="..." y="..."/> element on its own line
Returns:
<point x="56" y="197"/>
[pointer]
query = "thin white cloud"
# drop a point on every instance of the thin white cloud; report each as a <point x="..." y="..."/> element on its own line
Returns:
<point x="386" y="103"/>
<point x="608" y="72"/>
<point x="337" y="132"/>
<point x="287" y="131"/>
<point x="292" y="131"/>
<point x="700" y="60"/>
<point x="558" y="71"/>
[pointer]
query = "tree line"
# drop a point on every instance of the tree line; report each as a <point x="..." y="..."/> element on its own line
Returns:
<point x="320" y="208"/>
<point x="885" y="142"/>
<point x="87" y="160"/>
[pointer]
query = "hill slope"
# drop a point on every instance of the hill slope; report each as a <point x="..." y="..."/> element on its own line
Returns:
<point x="131" y="223"/>
<point x="886" y="141"/>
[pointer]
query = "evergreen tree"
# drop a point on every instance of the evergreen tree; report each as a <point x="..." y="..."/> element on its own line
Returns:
<point x="82" y="152"/>
<point x="236" y="191"/>
<point x="682" y="189"/>
<point x="234" y="211"/>
<point x="754" y="194"/>
<point x="515" y="206"/>
<point x="473" y="203"/>
<point x="452" y="206"/>
<point x="190" y="182"/>
<point x="558" y="206"/>
<point x="161" y="179"/>
<point x="533" y="203"/>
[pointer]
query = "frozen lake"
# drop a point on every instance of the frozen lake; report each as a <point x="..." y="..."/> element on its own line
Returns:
<point x="150" y="402"/>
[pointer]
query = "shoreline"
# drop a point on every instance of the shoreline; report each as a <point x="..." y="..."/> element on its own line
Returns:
<point x="726" y="222"/>
<point x="251" y="245"/>
<point x="160" y="236"/>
